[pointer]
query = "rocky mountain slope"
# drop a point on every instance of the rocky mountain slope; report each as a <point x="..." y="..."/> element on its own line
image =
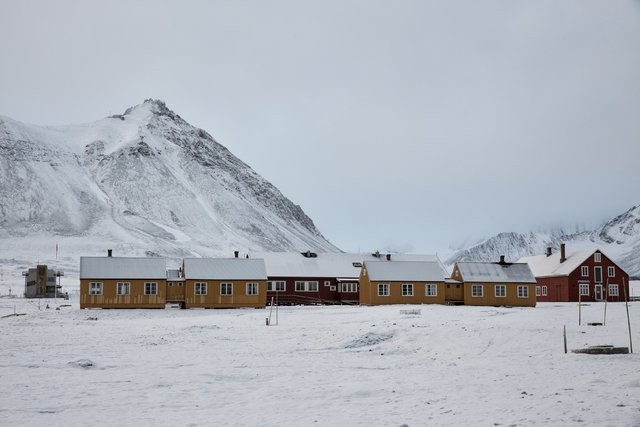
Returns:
<point x="145" y="181"/>
<point x="619" y="238"/>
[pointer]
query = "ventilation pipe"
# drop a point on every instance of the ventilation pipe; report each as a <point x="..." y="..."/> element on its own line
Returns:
<point x="236" y="253"/>
<point x="548" y="251"/>
<point x="563" y="258"/>
<point x="109" y="252"/>
<point x="388" y="257"/>
<point x="502" y="259"/>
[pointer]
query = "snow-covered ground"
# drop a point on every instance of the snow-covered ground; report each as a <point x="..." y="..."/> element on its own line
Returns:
<point x="337" y="365"/>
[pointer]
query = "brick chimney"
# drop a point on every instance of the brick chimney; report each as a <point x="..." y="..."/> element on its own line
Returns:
<point x="563" y="258"/>
<point x="502" y="259"/>
<point x="109" y="252"/>
<point x="548" y="251"/>
<point x="236" y="253"/>
<point x="388" y="257"/>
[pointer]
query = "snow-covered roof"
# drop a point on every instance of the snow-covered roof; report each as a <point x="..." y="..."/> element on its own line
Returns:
<point x="405" y="271"/>
<point x="495" y="272"/>
<point x="224" y="269"/>
<point x="544" y="266"/>
<point x="325" y="264"/>
<point x="122" y="268"/>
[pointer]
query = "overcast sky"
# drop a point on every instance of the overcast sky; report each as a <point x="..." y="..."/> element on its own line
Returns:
<point x="406" y="125"/>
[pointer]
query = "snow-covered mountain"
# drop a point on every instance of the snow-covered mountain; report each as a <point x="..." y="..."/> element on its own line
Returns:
<point x="619" y="238"/>
<point x="142" y="182"/>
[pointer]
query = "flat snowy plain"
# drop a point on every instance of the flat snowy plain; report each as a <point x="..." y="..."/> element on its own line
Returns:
<point x="332" y="366"/>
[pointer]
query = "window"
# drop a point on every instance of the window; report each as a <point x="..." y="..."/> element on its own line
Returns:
<point x="357" y="264"/>
<point x="226" y="288"/>
<point x="538" y="291"/>
<point x="585" y="271"/>
<point x="311" y="286"/>
<point x="95" y="288"/>
<point x="613" y="290"/>
<point x="523" y="292"/>
<point x="252" y="289"/>
<point x="332" y="288"/>
<point x="584" y="289"/>
<point x="597" y="274"/>
<point x="597" y="257"/>
<point x="501" y="291"/>
<point x="544" y="290"/>
<point x="349" y="287"/>
<point x="151" y="288"/>
<point x="276" y="286"/>
<point x="383" y="289"/>
<point x="123" y="288"/>
<point x="611" y="271"/>
<point x="476" y="290"/>
<point x="327" y="283"/>
<point x="407" y="289"/>
<point x="200" y="288"/>
<point x="431" y="290"/>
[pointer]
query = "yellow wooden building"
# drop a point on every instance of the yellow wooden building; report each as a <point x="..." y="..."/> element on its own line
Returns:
<point x="496" y="283"/>
<point x="224" y="282"/>
<point x="122" y="282"/>
<point x="402" y="282"/>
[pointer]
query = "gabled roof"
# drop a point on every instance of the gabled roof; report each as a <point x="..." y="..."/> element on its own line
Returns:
<point x="545" y="266"/>
<point x="405" y="271"/>
<point x="495" y="272"/>
<point x="122" y="268"/>
<point x="224" y="269"/>
<point x="324" y="264"/>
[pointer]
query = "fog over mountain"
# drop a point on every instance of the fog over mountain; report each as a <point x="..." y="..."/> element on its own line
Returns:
<point x="143" y="182"/>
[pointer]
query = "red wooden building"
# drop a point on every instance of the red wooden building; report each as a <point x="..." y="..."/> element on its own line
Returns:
<point x="577" y="276"/>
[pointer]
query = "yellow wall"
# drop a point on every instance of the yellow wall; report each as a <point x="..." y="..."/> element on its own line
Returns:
<point x="135" y="299"/>
<point x="175" y="290"/>
<point x="213" y="299"/>
<point x="489" y="298"/>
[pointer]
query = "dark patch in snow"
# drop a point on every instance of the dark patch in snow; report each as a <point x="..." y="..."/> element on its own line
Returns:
<point x="369" y="339"/>
<point x="82" y="363"/>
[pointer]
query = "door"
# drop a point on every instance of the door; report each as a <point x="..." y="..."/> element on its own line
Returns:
<point x="598" y="293"/>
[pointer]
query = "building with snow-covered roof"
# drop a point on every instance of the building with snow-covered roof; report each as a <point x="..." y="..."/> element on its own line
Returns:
<point x="496" y="283"/>
<point x="577" y="276"/>
<point x="224" y="282"/>
<point x="402" y="282"/>
<point x="122" y="282"/>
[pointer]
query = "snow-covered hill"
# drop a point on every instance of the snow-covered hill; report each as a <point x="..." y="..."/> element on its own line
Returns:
<point x="619" y="238"/>
<point x="142" y="182"/>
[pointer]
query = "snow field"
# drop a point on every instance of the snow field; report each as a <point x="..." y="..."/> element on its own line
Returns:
<point x="337" y="365"/>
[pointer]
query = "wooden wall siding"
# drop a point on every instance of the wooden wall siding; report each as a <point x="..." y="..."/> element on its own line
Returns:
<point x="328" y="291"/>
<point x="454" y="292"/>
<point x="175" y="291"/>
<point x="489" y="295"/>
<point x="566" y="288"/>
<point x="369" y="294"/>
<point x="213" y="299"/>
<point x="135" y="299"/>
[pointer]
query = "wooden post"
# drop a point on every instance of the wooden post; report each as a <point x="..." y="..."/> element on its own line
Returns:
<point x="579" y="305"/>
<point x="270" y="310"/>
<point x="626" y="303"/>
<point x="606" y="298"/>
<point x="564" y="334"/>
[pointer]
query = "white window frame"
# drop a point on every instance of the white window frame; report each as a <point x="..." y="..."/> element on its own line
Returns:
<point x="95" y="288"/>
<point x="477" y="291"/>
<point x="503" y="291"/>
<point x="200" y="288"/>
<point x="538" y="291"/>
<point x="614" y="290"/>
<point x="226" y="288"/>
<point x="597" y="257"/>
<point x="278" y="284"/>
<point x="595" y="276"/>
<point x="523" y="291"/>
<point x="585" y="271"/>
<point x="252" y="288"/>
<point x="327" y="283"/>
<point x="306" y="286"/>
<point x="123" y="288"/>
<point x="583" y="289"/>
<point x="383" y="289"/>
<point x="349" y="287"/>
<point x="431" y="290"/>
<point x="151" y="288"/>
<point x="544" y="290"/>
<point x="611" y="271"/>
<point x="407" y="289"/>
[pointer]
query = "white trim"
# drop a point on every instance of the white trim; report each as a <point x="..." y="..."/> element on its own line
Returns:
<point x="226" y="288"/>
<point x="200" y="288"/>
<point x="306" y="286"/>
<point x="349" y="287"/>
<point x="252" y="288"/>
<point x="95" y="288"/>
<point x="597" y="257"/>
<point x="611" y="271"/>
<point x="409" y="289"/>
<point x="502" y="294"/>
<point x="270" y="286"/>
<point x="523" y="291"/>
<point x="538" y="291"/>
<point x="385" y="288"/>
<point x="584" y="271"/>
<point x="120" y="286"/>
<point x="614" y="290"/>
<point x="584" y="286"/>
<point x="595" y="276"/>
<point x="151" y="288"/>
<point x="429" y="286"/>
<point x="544" y="290"/>
<point x="475" y="289"/>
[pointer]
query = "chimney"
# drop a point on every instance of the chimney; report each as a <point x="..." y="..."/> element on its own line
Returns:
<point x="388" y="257"/>
<point x="548" y="251"/>
<point x="236" y="253"/>
<point x="109" y="252"/>
<point x="563" y="258"/>
<point x="502" y="259"/>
